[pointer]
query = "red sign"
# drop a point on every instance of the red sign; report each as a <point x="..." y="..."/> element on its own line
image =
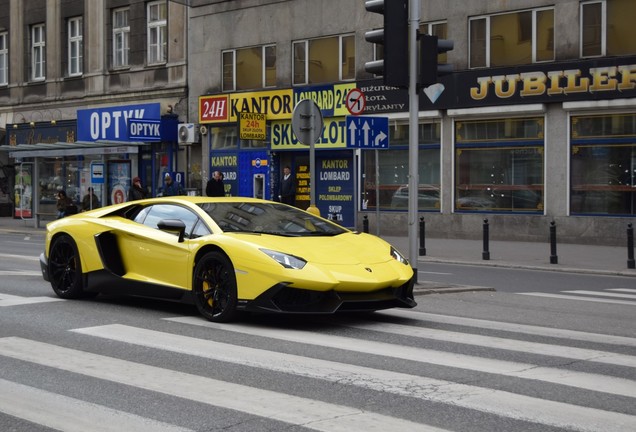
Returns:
<point x="213" y="109"/>
<point x="356" y="102"/>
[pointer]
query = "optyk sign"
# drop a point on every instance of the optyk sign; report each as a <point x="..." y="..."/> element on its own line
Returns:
<point x="111" y="123"/>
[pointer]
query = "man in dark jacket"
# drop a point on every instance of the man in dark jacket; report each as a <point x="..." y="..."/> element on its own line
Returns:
<point x="215" y="186"/>
<point x="172" y="188"/>
<point x="287" y="187"/>
<point x="136" y="192"/>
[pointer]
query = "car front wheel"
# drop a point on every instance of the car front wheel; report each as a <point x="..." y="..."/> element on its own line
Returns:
<point x="214" y="289"/>
<point x="65" y="268"/>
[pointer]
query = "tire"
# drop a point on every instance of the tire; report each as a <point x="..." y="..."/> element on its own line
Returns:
<point x="214" y="287"/>
<point x="65" y="268"/>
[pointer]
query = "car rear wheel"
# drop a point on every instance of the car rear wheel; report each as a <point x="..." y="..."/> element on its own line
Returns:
<point x="214" y="289"/>
<point x="65" y="268"/>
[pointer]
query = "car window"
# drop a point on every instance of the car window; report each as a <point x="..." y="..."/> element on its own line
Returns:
<point x="200" y="230"/>
<point x="151" y="216"/>
<point x="269" y="218"/>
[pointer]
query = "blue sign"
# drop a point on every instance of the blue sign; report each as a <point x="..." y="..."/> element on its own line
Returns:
<point x="367" y="132"/>
<point x="111" y="123"/>
<point x="97" y="173"/>
<point x="144" y="130"/>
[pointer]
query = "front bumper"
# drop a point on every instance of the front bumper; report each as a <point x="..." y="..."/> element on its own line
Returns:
<point x="44" y="267"/>
<point x="283" y="298"/>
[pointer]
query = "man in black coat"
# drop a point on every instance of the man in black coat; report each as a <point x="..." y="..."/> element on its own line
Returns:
<point x="287" y="187"/>
<point x="215" y="186"/>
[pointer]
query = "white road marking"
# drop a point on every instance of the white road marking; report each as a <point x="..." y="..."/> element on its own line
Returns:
<point x="24" y="257"/>
<point x="67" y="414"/>
<point x="580" y="298"/>
<point x="500" y="343"/>
<point x="13" y="300"/>
<point x="20" y="273"/>
<point x="512" y="327"/>
<point x="492" y="401"/>
<point x="311" y="414"/>
<point x="422" y="355"/>
<point x="601" y="294"/>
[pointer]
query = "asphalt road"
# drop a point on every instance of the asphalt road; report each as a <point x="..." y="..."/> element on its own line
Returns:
<point x="471" y="361"/>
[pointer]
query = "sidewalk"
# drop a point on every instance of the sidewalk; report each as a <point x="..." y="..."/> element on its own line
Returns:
<point x="576" y="258"/>
<point x="591" y="259"/>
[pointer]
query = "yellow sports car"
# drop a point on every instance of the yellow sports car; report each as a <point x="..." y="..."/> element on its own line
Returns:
<point x="228" y="255"/>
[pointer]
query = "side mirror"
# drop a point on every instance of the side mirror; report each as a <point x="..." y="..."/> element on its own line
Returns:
<point x="173" y="226"/>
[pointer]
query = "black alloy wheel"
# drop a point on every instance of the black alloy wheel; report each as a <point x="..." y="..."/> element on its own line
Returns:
<point x="65" y="268"/>
<point x="214" y="289"/>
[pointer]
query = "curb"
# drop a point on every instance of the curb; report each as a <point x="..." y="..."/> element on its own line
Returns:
<point x="504" y="264"/>
<point x="423" y="288"/>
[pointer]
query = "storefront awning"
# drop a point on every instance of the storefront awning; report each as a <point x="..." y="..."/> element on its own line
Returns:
<point x="76" y="148"/>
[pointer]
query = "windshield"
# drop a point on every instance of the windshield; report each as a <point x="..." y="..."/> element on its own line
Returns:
<point x="269" y="218"/>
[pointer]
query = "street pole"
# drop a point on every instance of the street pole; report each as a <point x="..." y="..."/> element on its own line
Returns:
<point x="414" y="21"/>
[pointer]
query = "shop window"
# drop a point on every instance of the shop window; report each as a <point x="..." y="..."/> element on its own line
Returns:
<point x="38" y="52"/>
<point x="157" y="32"/>
<point x="75" y="46"/>
<point x="224" y="138"/>
<point x="4" y="58"/>
<point x="390" y="183"/>
<point x="606" y="28"/>
<point x="121" y="37"/>
<point x="509" y="39"/>
<point x="603" y="165"/>
<point x="241" y="66"/>
<point x="324" y="60"/>
<point x="499" y="165"/>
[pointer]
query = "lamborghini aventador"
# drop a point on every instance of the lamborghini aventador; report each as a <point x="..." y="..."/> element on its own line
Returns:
<point x="226" y="255"/>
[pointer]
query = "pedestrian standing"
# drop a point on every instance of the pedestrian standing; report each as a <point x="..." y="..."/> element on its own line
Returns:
<point x="137" y="191"/>
<point x="90" y="200"/>
<point x="171" y="188"/>
<point x="64" y="205"/>
<point x="287" y="187"/>
<point x="215" y="186"/>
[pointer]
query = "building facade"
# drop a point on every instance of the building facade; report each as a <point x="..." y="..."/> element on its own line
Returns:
<point x="536" y="124"/>
<point x="91" y="94"/>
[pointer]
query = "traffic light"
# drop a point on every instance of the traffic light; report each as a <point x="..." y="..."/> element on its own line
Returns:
<point x="430" y="48"/>
<point x="394" y="66"/>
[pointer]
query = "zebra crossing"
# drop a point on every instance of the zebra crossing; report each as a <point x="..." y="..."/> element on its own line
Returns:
<point x="392" y="354"/>
<point x="623" y="296"/>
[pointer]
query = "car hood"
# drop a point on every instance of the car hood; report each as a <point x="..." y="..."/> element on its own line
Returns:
<point x="343" y="249"/>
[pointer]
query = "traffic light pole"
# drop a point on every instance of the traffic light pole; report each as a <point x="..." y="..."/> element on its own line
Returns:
<point x="414" y="20"/>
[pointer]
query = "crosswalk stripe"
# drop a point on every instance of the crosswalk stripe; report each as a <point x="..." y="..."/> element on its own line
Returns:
<point x="601" y="293"/>
<point x="580" y="298"/>
<point x="13" y="300"/>
<point x="575" y="379"/>
<point x="311" y="414"/>
<point x="71" y="415"/>
<point x="499" y="343"/>
<point x="20" y="273"/>
<point x="22" y="257"/>
<point x="496" y="402"/>
<point x="629" y="290"/>
<point x="512" y="327"/>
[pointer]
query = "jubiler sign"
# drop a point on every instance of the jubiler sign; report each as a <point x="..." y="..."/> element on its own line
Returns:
<point x="606" y="78"/>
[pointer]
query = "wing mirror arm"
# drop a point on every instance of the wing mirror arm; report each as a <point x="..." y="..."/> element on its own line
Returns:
<point x="173" y="226"/>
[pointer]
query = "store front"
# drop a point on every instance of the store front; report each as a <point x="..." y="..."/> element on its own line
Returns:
<point x="95" y="151"/>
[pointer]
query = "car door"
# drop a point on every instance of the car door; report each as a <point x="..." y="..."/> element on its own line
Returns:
<point x="156" y="256"/>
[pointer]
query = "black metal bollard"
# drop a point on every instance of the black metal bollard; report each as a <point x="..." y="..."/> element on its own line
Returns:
<point x="554" y="259"/>
<point x="630" y="247"/>
<point x="422" y="237"/>
<point x="365" y="224"/>
<point x="486" y="253"/>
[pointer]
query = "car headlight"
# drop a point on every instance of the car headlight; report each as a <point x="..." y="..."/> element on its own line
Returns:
<point x="398" y="256"/>
<point x="287" y="261"/>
